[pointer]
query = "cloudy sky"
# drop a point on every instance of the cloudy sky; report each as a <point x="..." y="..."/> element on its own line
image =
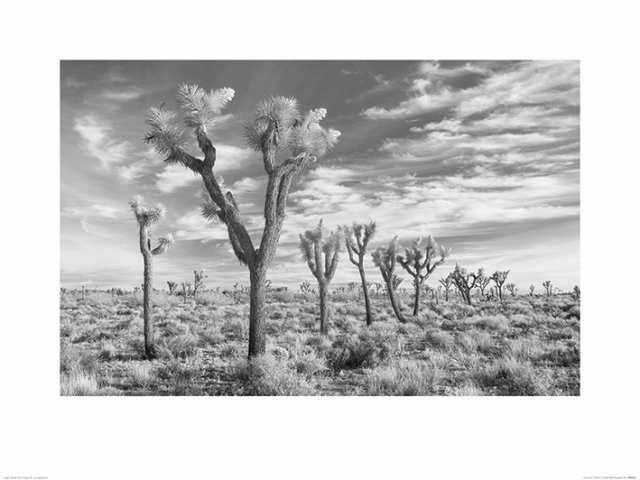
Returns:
<point x="484" y="155"/>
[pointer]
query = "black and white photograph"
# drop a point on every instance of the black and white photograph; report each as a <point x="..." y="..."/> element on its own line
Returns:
<point x="387" y="228"/>
<point x="311" y="241"/>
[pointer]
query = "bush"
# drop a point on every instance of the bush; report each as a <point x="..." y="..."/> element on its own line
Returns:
<point x="507" y="376"/>
<point x="233" y="329"/>
<point x="265" y="375"/>
<point x="78" y="382"/>
<point x="438" y="339"/>
<point x="403" y="378"/>
<point x="367" y="350"/>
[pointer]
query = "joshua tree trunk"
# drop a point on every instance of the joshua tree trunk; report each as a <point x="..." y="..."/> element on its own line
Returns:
<point x="416" y="299"/>
<point x="324" y="309"/>
<point x="257" y="300"/>
<point x="394" y="303"/>
<point x="149" y="348"/>
<point x="367" y="302"/>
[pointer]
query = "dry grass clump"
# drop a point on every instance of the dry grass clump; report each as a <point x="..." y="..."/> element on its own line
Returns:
<point x="508" y="376"/>
<point x="403" y="377"/>
<point x="79" y="382"/>
<point x="266" y="375"/>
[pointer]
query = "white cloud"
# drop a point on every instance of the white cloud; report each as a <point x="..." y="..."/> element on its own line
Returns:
<point x="97" y="142"/>
<point x="123" y="95"/>
<point x="174" y="176"/>
<point x="95" y="210"/>
<point x="193" y="226"/>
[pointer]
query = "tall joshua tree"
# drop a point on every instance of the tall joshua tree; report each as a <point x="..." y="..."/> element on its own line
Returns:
<point x="548" y="287"/>
<point x="465" y="282"/>
<point x="172" y="287"/>
<point x="511" y="288"/>
<point x="146" y="217"/>
<point x="532" y="288"/>
<point x="288" y="141"/>
<point x="357" y="239"/>
<point x="314" y="246"/>
<point x="420" y="260"/>
<point x="385" y="259"/>
<point x="499" y="277"/>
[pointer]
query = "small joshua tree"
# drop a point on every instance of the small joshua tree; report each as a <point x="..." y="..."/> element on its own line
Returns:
<point x="499" y="277"/>
<point x="146" y="217"/>
<point x="314" y="246"/>
<point x="385" y="259"/>
<point x="357" y="239"/>
<point x="483" y="282"/>
<point x="532" y="288"/>
<point x="465" y="282"/>
<point x="306" y="288"/>
<point x="548" y="287"/>
<point x="420" y="260"/>
<point x="186" y="289"/>
<point x="289" y="143"/>
<point x="447" y="283"/>
<point x="172" y="287"/>
<point x="512" y="289"/>
<point x="198" y="281"/>
<point x="575" y="293"/>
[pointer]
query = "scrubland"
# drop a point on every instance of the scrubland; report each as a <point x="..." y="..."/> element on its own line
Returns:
<point x="525" y="345"/>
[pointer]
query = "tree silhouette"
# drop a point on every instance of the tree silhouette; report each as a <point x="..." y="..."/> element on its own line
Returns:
<point x="357" y="239"/>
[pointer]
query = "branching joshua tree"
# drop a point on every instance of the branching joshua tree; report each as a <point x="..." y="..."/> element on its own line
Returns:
<point x="499" y="277"/>
<point x="465" y="282"/>
<point x="420" y="260"/>
<point x="357" y="239"/>
<point x="172" y="287"/>
<point x="186" y="289"/>
<point x="483" y="282"/>
<point x="385" y="259"/>
<point x="548" y="287"/>
<point x="511" y="288"/>
<point x="198" y="281"/>
<point x="288" y="141"/>
<point x="447" y="283"/>
<point x="146" y="217"/>
<point x="314" y="246"/>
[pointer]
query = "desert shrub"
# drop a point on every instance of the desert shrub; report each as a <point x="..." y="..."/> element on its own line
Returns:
<point x="231" y="350"/>
<point x="182" y="346"/>
<point x="309" y="363"/>
<point x="438" y="339"/>
<point x="265" y="375"/>
<point x="508" y="376"/>
<point x="562" y="356"/>
<point x="403" y="377"/>
<point x="180" y="375"/>
<point x="524" y="349"/>
<point x="346" y="323"/>
<point x="562" y="334"/>
<point x="468" y="388"/>
<point x="79" y="382"/>
<point x="284" y="296"/>
<point x="319" y="342"/>
<point x="171" y="328"/>
<point x="496" y="322"/>
<point x="140" y="373"/>
<point x="233" y="328"/>
<point x="187" y="317"/>
<point x="475" y="340"/>
<point x="366" y="350"/>
<point x="107" y="352"/>
<point x="210" y="337"/>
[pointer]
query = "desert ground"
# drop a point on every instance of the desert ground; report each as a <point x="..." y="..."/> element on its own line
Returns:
<point x="524" y="345"/>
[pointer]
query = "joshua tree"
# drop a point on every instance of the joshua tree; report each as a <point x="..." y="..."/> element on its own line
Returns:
<point x="511" y="287"/>
<point x="385" y="260"/>
<point x="186" y="288"/>
<point x="420" y="260"/>
<point x="446" y="283"/>
<point x="288" y="141"/>
<point x="314" y="245"/>
<point x="465" y="282"/>
<point x="306" y="288"/>
<point x="499" y="277"/>
<point x="172" y="287"/>
<point x="357" y="239"/>
<point x="532" y="288"/>
<point x="146" y="217"/>
<point x="483" y="282"/>
<point x="198" y="281"/>
<point x="576" y="292"/>
<point x="548" y="287"/>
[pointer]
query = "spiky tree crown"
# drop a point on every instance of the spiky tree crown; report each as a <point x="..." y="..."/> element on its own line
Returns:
<point x="278" y="126"/>
<point x="422" y="258"/>
<point x="357" y="239"/>
<point x="147" y="216"/>
<point x="500" y="276"/>
<point x="314" y="245"/>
